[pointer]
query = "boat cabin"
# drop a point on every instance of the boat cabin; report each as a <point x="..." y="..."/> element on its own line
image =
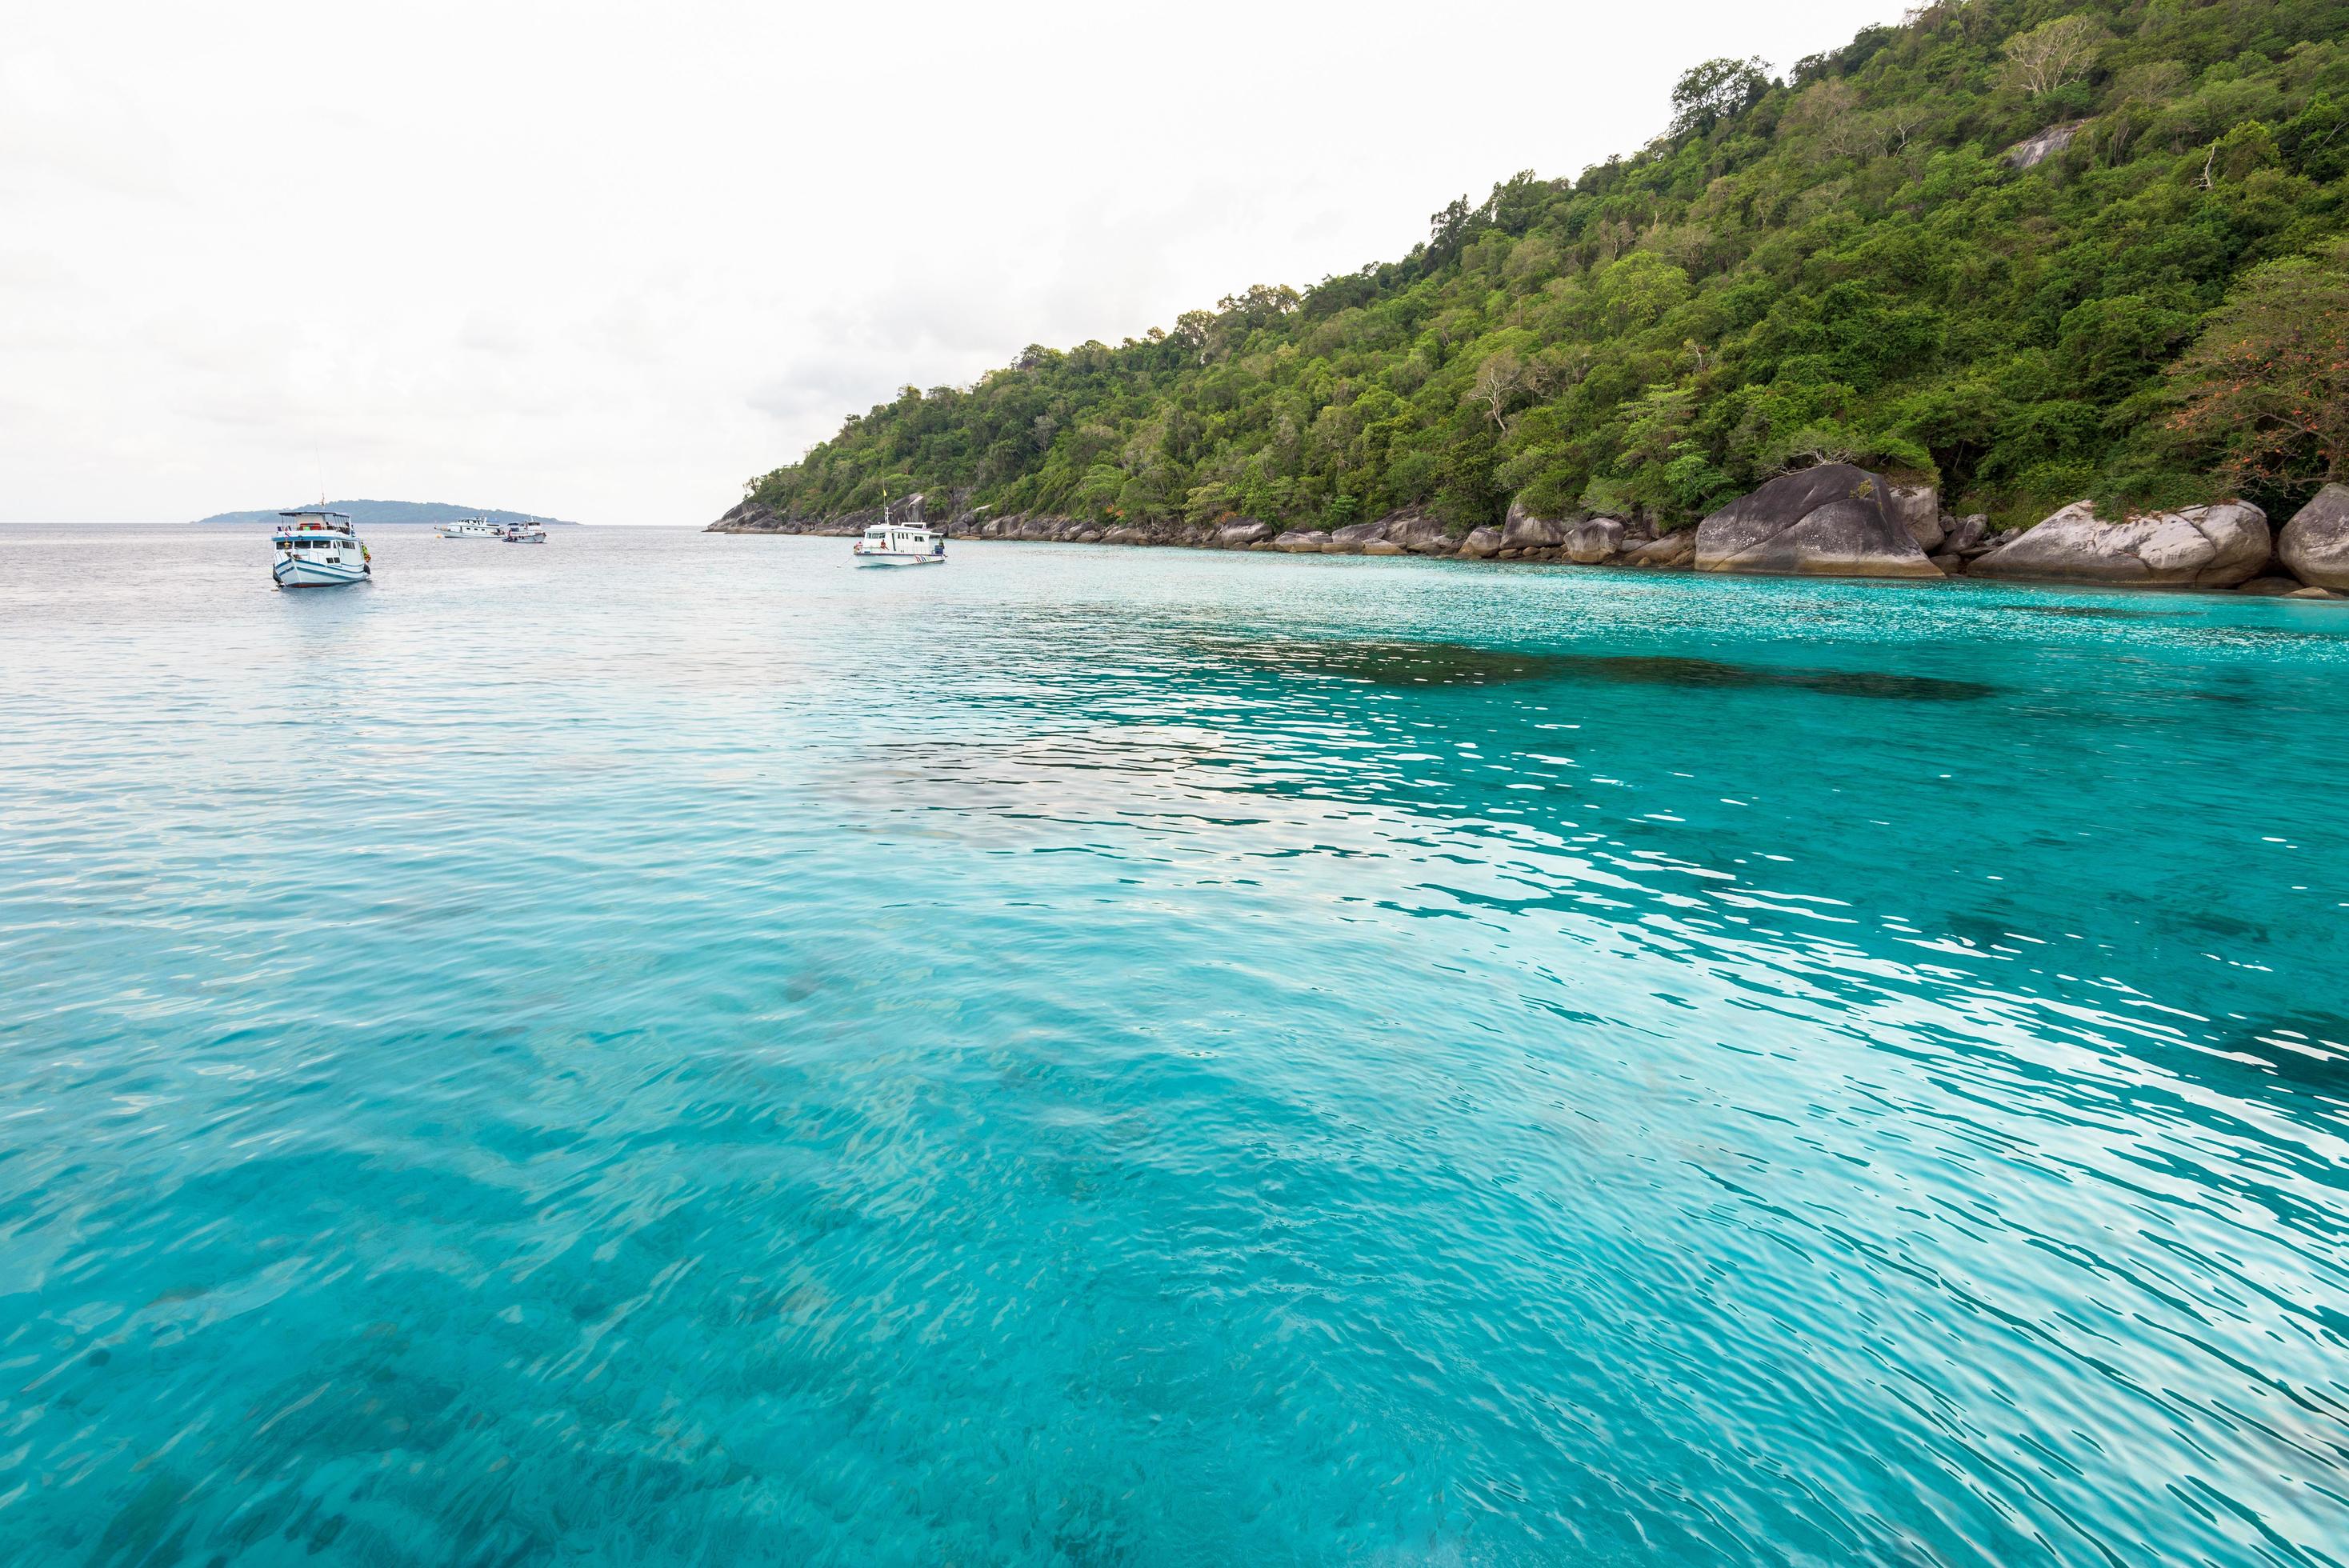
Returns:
<point x="901" y="539"/>
<point x="312" y="522"/>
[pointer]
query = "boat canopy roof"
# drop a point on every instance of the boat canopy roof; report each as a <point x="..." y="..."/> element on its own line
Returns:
<point x="317" y="511"/>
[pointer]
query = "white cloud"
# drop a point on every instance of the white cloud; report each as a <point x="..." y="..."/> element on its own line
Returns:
<point x="608" y="261"/>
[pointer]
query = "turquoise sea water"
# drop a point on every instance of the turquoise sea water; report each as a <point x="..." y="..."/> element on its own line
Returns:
<point x="663" y="1048"/>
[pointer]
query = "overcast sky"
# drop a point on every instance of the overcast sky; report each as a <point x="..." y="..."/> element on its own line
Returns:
<point x="607" y="263"/>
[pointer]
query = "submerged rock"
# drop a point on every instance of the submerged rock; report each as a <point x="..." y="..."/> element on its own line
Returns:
<point x="2200" y="547"/>
<point x="2314" y="545"/>
<point x="1825" y="521"/>
<point x="1592" y="542"/>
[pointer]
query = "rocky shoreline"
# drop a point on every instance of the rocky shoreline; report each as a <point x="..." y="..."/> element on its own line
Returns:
<point x="1833" y="521"/>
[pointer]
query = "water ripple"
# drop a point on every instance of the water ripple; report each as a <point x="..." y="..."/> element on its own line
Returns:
<point x="696" y="1054"/>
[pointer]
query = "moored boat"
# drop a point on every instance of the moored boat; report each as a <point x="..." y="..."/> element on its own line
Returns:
<point x="469" y="528"/>
<point x="524" y="533"/>
<point x="891" y="543"/>
<point x="318" y="549"/>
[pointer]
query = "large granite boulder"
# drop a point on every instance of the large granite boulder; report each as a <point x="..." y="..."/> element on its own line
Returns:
<point x="1301" y="541"/>
<point x="1125" y="533"/>
<point x="1917" y="509"/>
<point x="1418" y="533"/>
<point x="2201" y="547"/>
<point x="1595" y="540"/>
<point x="749" y="517"/>
<point x="1670" y="550"/>
<point x="1481" y="543"/>
<point x="2314" y="545"/>
<point x="1523" y="530"/>
<point x="1826" y="521"/>
<point x="1241" y="533"/>
<point x="1355" y="538"/>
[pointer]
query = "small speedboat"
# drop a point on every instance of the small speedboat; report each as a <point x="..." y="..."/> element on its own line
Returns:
<point x="524" y="533"/>
<point x="469" y="528"/>
<point x="317" y="549"/>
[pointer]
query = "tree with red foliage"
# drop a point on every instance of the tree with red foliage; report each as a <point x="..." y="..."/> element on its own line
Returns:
<point x="2266" y="386"/>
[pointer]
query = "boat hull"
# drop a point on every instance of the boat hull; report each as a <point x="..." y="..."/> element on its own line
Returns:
<point x="317" y="574"/>
<point x="898" y="558"/>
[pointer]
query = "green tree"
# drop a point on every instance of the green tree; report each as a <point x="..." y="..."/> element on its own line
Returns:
<point x="2266" y="386"/>
<point x="1709" y="93"/>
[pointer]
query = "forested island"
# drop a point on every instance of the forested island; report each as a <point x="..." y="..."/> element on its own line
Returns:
<point x="2036" y="263"/>
<point x="396" y="513"/>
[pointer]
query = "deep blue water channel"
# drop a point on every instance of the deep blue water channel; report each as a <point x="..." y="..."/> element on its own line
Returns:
<point x="663" y="1048"/>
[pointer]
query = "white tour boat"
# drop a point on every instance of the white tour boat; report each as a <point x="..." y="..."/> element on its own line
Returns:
<point x="887" y="544"/>
<point x="317" y="549"/>
<point x="469" y="528"/>
<point x="524" y="533"/>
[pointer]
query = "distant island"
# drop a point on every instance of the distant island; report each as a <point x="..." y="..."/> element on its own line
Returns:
<point x="380" y="513"/>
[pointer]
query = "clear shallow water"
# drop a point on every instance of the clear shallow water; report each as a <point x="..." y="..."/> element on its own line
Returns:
<point x="697" y="1054"/>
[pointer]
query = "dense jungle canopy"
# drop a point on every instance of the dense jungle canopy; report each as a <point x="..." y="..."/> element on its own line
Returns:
<point x="1858" y="260"/>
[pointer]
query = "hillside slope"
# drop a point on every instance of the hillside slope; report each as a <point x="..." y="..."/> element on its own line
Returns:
<point x="1976" y="248"/>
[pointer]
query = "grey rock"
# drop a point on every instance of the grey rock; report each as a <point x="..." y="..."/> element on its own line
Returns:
<point x="1951" y="563"/>
<point x="2270" y="587"/>
<point x="2200" y="547"/>
<point x="1670" y="550"/>
<point x="1918" y="508"/>
<point x="1086" y="536"/>
<point x="1302" y="540"/>
<point x="750" y="517"/>
<point x="1971" y="533"/>
<point x="2038" y="148"/>
<point x="1482" y="545"/>
<point x="2314" y="545"/>
<point x="1241" y="533"/>
<point x="1523" y="530"/>
<point x="1125" y="533"/>
<point x="1384" y="546"/>
<point x="1417" y="533"/>
<point x="1592" y="542"/>
<point x="1824" y="522"/>
<point x="1355" y="537"/>
<point x="2313" y="594"/>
